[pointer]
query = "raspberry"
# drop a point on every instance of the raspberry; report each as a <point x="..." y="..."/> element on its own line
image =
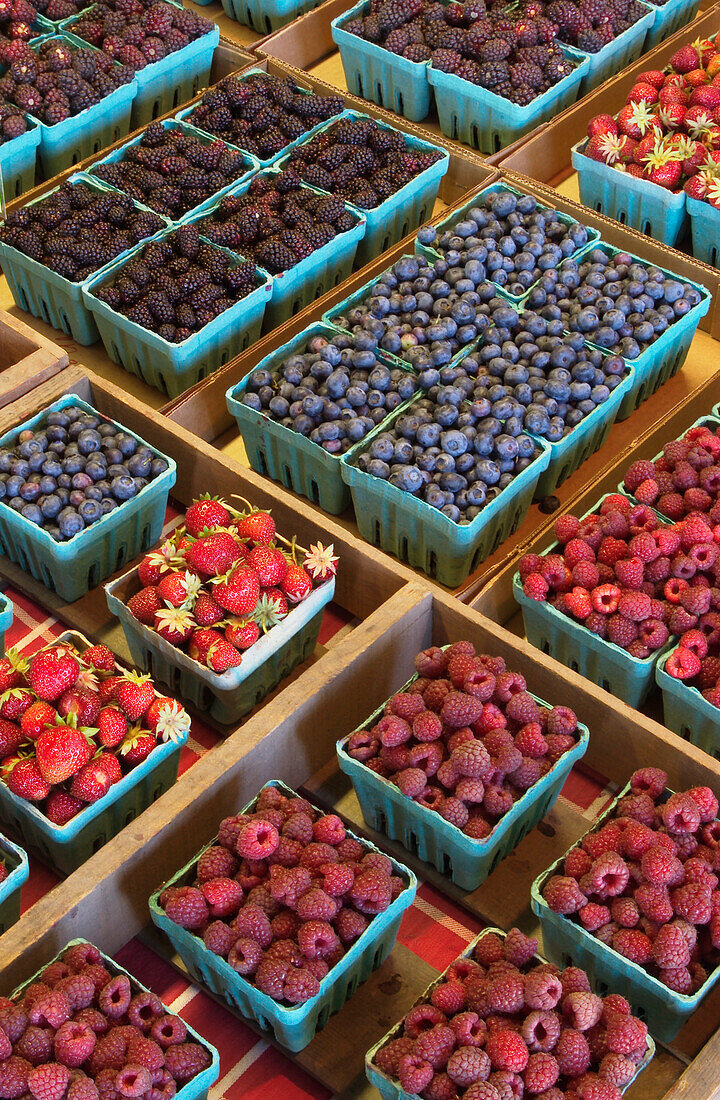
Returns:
<point x="51" y="1009"/>
<point x="143" y="1051"/>
<point x="535" y="587"/>
<point x="519" y="948"/>
<point x="460" y="710"/>
<point x="371" y="892"/>
<point x="504" y="992"/>
<point x="74" y="1043"/>
<point x="482" y="1090"/>
<point x="615" y="1002"/>
<point x="692" y="903"/>
<point x="633" y="944"/>
<point x="678" y="979"/>
<point x="449" y="997"/>
<point x="608" y="875"/>
<point x="404" y="705"/>
<point x="215" y="862"/>
<point x="574" y="980"/>
<point x="436" y="1045"/>
<point x="572" y="1053"/>
<point x="79" y="990"/>
<point x="577" y="863"/>
<point x="35" y="1045"/>
<point x="471" y="759"/>
<point x="467" y="1065"/>
<point x="625" y="1034"/>
<point x="670" y="949"/>
<point x="654" y="902"/>
<point x="298" y="827"/>
<point x="582" y="1010"/>
<point x="257" y="840"/>
<point x="562" y="721"/>
<point x="507" y="1050"/>
<point x="300" y="986"/>
<point x="388" y="1057"/>
<point x="143" y="1010"/>
<point x="542" y="991"/>
<point x="681" y="815"/>
<point x="48" y="1082"/>
<point x="414" y="1074"/>
<point x="252" y="921"/>
<point x="187" y="907"/>
<point x="223" y="896"/>
<point x="421" y="1018"/>
<point x="315" y="904"/>
<point x="660" y="867"/>
<point x="541" y="1030"/>
<point x="625" y="912"/>
<point x="219" y="938"/>
<point x="541" y="1073"/>
<point x="186" y="1060"/>
<point x="245" y="955"/>
<point x="349" y="925"/>
<point x="706" y="802"/>
<point x="563" y="895"/>
<point x="607" y="839"/>
<point x="617" y="1069"/>
<point x="640" y="807"/>
<point x="316" y="939"/>
<point x="470" y="1030"/>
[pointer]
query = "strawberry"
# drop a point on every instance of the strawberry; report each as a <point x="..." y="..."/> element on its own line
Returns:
<point x="223" y="655"/>
<point x="107" y="688"/>
<point x="642" y="93"/>
<point x="112" y="727"/>
<point x="134" y="694"/>
<point x="672" y="94"/>
<point x="137" y="746"/>
<point x="11" y="737"/>
<point x="685" y="59"/>
<point x="61" y="807"/>
<point x="636" y="119"/>
<point x="705" y="97"/>
<point x="91" y="783"/>
<point x="601" y="124"/>
<point x="24" y="779"/>
<point x="206" y="611"/>
<point x="321" y="562"/>
<point x="238" y="591"/>
<point x="213" y="554"/>
<point x="258" y="527"/>
<point x="635" y="170"/>
<point x="698" y="120"/>
<point x="277" y="598"/>
<point x="200" y="642"/>
<point x="672" y="115"/>
<point x="644" y="147"/>
<point x="85" y="705"/>
<point x="99" y="657"/>
<point x="207" y="512"/>
<point x="270" y="610"/>
<point x="297" y="583"/>
<point x="144" y="604"/>
<point x="36" y="718"/>
<point x="174" y="624"/>
<point x="652" y="76"/>
<point x="713" y="193"/>
<point x="167" y="719"/>
<point x="61" y="751"/>
<point x="269" y="564"/>
<point x="109" y="763"/>
<point x="13" y="669"/>
<point x="694" y="155"/>
<point x="157" y="563"/>
<point x="14" y="702"/>
<point x="243" y="633"/>
<point x="52" y="671"/>
<point x="662" y="164"/>
<point x="178" y="589"/>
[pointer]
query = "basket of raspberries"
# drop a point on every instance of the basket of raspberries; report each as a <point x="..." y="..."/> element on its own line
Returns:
<point x="635" y="903"/>
<point x="177" y="308"/>
<point x="284" y="913"/>
<point x="657" y="160"/>
<point x="86" y="746"/>
<point x="169" y="47"/>
<point x="226" y="606"/>
<point x="358" y="389"/>
<point x="462" y="762"/>
<point x="19" y="139"/>
<point x="391" y="177"/>
<point x="502" y="1022"/>
<point x="83" y="1027"/>
<point x="305" y="240"/>
<point x="264" y="115"/>
<point x="78" y="495"/>
<point x="80" y="96"/>
<point x="14" y="872"/>
<point x="52" y="245"/>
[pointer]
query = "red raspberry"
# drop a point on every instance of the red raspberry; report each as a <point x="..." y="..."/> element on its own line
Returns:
<point x="518" y="948"/>
<point x="460" y="710"/>
<point x="540" y="1030"/>
<point x="563" y="895"/>
<point x="436" y="1045"/>
<point x="35" y="1045"/>
<point x="50" y="1009"/>
<point x="594" y="916"/>
<point x="692" y="903"/>
<point x="536" y="587"/>
<point x="617" y="1069"/>
<point x="216" y="862"/>
<point x="252" y="921"/>
<point x="48" y="1082"/>
<point x="467" y="1065"/>
<point x="585" y="575"/>
<point x="300" y="986"/>
<point x="482" y="1090"/>
<point x="388" y="1057"/>
<point x="578" y="603"/>
<point x="74" y="1044"/>
<point x="572" y="1053"/>
<point x="574" y="980"/>
<point x="681" y="814"/>
<point x="640" y="807"/>
<point x="186" y="1060"/>
<point x="542" y="991"/>
<point x="660" y="867"/>
<point x="472" y="759"/>
<point x="706" y="802"/>
<point x="507" y="1050"/>
<point x="115" y="996"/>
<point x="186" y="906"/>
<point x="625" y="912"/>
<point x="414" y="1074"/>
<point x="489" y="949"/>
<point x="633" y="944"/>
<point x="608" y="875"/>
<point x="607" y="839"/>
<point x="577" y="863"/>
<point x="566" y="528"/>
<point x="541" y="1073"/>
<point x="625" y="1034"/>
<point x="329" y="829"/>
<point x="470" y="1030"/>
<point x="576" y="550"/>
<point x="670" y="948"/>
<point x="257" y="840"/>
<point x="678" y="979"/>
<point x="218" y="937"/>
<point x="582" y="1010"/>
<point x="504" y="992"/>
<point x="79" y="990"/>
<point x="404" y="705"/>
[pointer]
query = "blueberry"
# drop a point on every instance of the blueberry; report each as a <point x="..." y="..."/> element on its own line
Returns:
<point x="50" y="505"/>
<point x="32" y="512"/>
<point x="70" y="522"/>
<point x="89" y="441"/>
<point x="108" y="505"/>
<point x="90" y="511"/>
<point x="123" y="487"/>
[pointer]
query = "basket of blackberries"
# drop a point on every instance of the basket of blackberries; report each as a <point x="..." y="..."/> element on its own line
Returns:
<point x="79" y="496"/>
<point x="178" y="308"/>
<point x="79" y="95"/>
<point x="19" y="139"/>
<point x="51" y="246"/>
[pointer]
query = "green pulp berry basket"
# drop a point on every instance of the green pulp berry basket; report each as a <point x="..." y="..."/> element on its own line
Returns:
<point x="67" y="847"/>
<point x="49" y="296"/>
<point x="293" y="1027"/>
<point x="669" y="17"/>
<point x="229" y="695"/>
<point x="568" y="944"/>
<point x="6" y="618"/>
<point x="266" y="16"/>
<point x="621" y="52"/>
<point x="16" y="862"/>
<point x="705" y="230"/>
<point x="17" y="161"/>
<point x="687" y="712"/>
<point x="390" y="1089"/>
<point x="196" y="1089"/>
<point x="283" y="454"/>
<point x="571" y="643"/>
<point x="72" y="568"/>
<point x="377" y="74"/>
<point x="467" y="862"/>
<point x="410" y="206"/>
<point x="418" y="534"/>
<point x="712" y="422"/>
<point x="173" y="368"/>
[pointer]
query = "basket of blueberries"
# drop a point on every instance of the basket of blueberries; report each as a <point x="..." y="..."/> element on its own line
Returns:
<point x="312" y="401"/>
<point x="79" y="496"/>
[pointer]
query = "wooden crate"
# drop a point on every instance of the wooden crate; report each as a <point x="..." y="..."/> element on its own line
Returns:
<point x="293" y="738"/>
<point x="26" y="358"/>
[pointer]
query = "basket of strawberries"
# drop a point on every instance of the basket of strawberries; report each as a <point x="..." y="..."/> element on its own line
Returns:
<point x="225" y="608"/>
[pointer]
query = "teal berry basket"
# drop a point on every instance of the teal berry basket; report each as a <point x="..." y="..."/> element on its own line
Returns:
<point x="293" y="1027"/>
<point x="568" y="944"/>
<point x="489" y="122"/>
<point x="49" y="296"/>
<point x="72" y="568"/>
<point x="418" y="534"/>
<point x="18" y="868"/>
<point x="687" y="712"/>
<point x="408" y="208"/>
<point x="467" y="862"/>
<point x="229" y="695"/>
<point x="377" y="74"/>
<point x="619" y="53"/>
<point x="90" y="130"/>
<point x="266" y="16"/>
<point x="705" y="230"/>
<point x="712" y="422"/>
<point x="669" y="17"/>
<point x="571" y="643"/>
<point x="283" y="454"/>
<point x="173" y="80"/>
<point x="645" y="206"/>
<point x="173" y="368"/>
<point x="390" y="1089"/>
<point x="455" y="216"/>
<point x="186" y="116"/>
<point x="200" y="1086"/>
<point x="251" y="166"/>
<point x="68" y="846"/>
<point x="17" y="161"/>
<point x="6" y="617"/>
<point x="319" y="272"/>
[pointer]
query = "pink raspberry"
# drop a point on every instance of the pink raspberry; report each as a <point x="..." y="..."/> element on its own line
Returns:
<point x="449" y="997"/>
<point x="460" y="710"/>
<point x="692" y="903"/>
<point x="640" y="807"/>
<point x="404" y="705"/>
<point x="681" y="814"/>
<point x="186" y="1060"/>
<point x="315" y="904"/>
<point x="388" y="1057"/>
<point x="270" y="977"/>
<point x="625" y="1034"/>
<point x="654" y="902"/>
<point x="470" y="1030"/>
<point x="414" y="1074"/>
<point x="253" y="922"/>
<point x="467" y="1065"/>
<point x="670" y="948"/>
<point x="542" y="990"/>
<point x="608" y="875"/>
<point x="436" y="1045"/>
<point x="504" y="992"/>
<point x="633" y="944"/>
<point x="541" y="1073"/>
<point x="454" y="811"/>
<point x="300" y="986"/>
<point x="706" y="801"/>
<point x="257" y="840"/>
<point x="489" y="949"/>
<point x="617" y="1069"/>
<point x="660" y="867"/>
<point x="577" y="863"/>
<point x="625" y="912"/>
<point x="507" y="1051"/>
<point x="482" y="1090"/>
<point x="574" y="980"/>
<point x="563" y="895"/>
<point x="541" y="1030"/>
<point x="471" y="760"/>
<point x="572" y="1053"/>
<point x="422" y="1018"/>
<point x="349" y="925"/>
<point x="74" y="1044"/>
<point x="371" y="892"/>
<point x="582" y="1010"/>
<point x="678" y="979"/>
<point x="593" y="916"/>
<point x="316" y="939"/>
<point x="518" y="948"/>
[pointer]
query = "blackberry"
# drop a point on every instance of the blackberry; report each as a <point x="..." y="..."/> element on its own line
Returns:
<point x="492" y="74"/>
<point x="160" y="307"/>
<point x="495" y="49"/>
<point x="450" y="38"/>
<point x="188" y="240"/>
<point x="447" y="61"/>
<point x="274" y="256"/>
<point x="526" y="74"/>
<point x="394" y="13"/>
<point x="141" y="315"/>
<point x="469" y="70"/>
